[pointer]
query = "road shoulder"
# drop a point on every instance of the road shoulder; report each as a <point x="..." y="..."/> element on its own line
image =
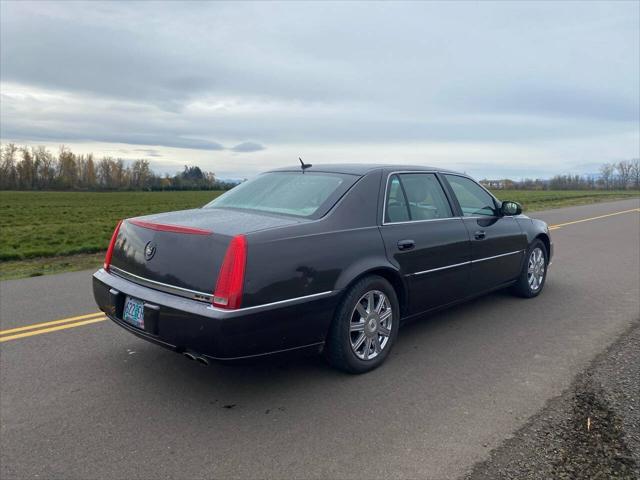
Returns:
<point x="592" y="430"/>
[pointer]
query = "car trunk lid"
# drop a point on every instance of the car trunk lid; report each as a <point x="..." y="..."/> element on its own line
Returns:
<point x="182" y="252"/>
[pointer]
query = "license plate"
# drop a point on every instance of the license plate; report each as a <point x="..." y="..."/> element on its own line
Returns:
<point x="134" y="312"/>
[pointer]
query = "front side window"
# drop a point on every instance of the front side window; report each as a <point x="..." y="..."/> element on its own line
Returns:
<point x="415" y="197"/>
<point x="300" y="194"/>
<point x="473" y="199"/>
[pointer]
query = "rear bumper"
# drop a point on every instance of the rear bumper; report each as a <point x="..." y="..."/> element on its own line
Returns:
<point x="182" y="324"/>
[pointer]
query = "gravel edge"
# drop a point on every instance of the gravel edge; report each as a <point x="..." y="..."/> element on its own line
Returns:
<point x="592" y="430"/>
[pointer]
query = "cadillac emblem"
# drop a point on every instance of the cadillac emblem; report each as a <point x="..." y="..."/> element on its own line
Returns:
<point x="149" y="250"/>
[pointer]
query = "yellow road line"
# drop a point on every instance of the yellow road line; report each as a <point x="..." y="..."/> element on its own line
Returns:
<point x="80" y="320"/>
<point x="52" y="329"/>
<point x="560" y="225"/>
<point x="47" y="324"/>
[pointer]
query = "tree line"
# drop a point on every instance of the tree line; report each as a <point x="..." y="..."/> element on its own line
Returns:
<point x="37" y="168"/>
<point x="621" y="175"/>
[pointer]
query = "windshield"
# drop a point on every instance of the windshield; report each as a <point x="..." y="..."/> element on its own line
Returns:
<point x="307" y="194"/>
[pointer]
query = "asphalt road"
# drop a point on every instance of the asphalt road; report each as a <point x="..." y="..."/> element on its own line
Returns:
<point x="94" y="401"/>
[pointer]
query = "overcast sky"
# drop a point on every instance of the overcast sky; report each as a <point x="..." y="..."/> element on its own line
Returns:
<point x="494" y="89"/>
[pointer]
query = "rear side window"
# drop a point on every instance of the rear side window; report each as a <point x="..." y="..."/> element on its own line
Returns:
<point x="300" y="194"/>
<point x="473" y="199"/>
<point x="415" y="197"/>
<point x="396" y="209"/>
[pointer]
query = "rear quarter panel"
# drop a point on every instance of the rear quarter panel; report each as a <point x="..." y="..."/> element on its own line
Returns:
<point x="319" y="256"/>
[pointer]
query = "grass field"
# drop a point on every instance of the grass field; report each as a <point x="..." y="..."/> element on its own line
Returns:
<point x="45" y="224"/>
<point x="533" y="200"/>
<point x="49" y="232"/>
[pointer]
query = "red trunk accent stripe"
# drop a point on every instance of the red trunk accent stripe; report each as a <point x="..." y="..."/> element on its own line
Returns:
<point x="163" y="227"/>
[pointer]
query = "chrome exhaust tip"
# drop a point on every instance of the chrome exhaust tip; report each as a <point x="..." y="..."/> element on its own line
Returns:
<point x="189" y="355"/>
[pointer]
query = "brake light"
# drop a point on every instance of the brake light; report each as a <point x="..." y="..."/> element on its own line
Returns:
<point x="107" y="257"/>
<point x="228" y="293"/>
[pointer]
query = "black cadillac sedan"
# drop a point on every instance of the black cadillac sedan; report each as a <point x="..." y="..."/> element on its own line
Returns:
<point x="329" y="258"/>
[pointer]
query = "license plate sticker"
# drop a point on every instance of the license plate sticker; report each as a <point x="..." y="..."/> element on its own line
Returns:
<point x="134" y="312"/>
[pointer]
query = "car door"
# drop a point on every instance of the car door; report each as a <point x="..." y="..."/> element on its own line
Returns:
<point x="498" y="244"/>
<point x="425" y="239"/>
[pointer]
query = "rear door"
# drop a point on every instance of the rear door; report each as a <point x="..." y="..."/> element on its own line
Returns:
<point x="425" y="239"/>
<point x="498" y="244"/>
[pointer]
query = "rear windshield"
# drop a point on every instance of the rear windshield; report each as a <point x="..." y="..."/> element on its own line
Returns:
<point x="300" y="194"/>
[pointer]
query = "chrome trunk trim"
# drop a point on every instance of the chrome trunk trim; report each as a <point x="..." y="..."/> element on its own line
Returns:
<point x="163" y="287"/>
<point x="207" y="297"/>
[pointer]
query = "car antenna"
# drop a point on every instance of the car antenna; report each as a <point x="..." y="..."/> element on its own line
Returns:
<point x="303" y="165"/>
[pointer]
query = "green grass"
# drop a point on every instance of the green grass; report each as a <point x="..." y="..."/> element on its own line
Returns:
<point x="47" y="224"/>
<point x="50" y="232"/>
<point x="35" y="267"/>
<point x="532" y="200"/>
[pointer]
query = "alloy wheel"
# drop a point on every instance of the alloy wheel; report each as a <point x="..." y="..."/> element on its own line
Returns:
<point x="536" y="269"/>
<point x="370" y="326"/>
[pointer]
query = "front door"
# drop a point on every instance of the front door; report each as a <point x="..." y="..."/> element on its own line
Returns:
<point x="498" y="244"/>
<point x="424" y="238"/>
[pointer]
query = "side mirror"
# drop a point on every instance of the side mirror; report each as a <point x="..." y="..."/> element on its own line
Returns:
<point x="510" y="208"/>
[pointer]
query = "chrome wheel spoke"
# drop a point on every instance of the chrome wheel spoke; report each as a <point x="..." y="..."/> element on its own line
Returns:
<point x="370" y="325"/>
<point x="381" y="303"/>
<point x="358" y="343"/>
<point x="367" y="348"/>
<point x="376" y="344"/>
<point x="357" y="327"/>
<point x="370" y="302"/>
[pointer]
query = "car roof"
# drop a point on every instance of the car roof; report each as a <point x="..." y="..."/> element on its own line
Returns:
<point x="361" y="168"/>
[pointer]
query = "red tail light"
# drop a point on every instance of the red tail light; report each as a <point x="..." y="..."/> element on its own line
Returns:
<point x="107" y="257"/>
<point x="228" y="293"/>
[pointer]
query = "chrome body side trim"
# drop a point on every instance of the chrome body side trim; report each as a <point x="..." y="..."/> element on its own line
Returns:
<point x="464" y="263"/>
<point x="496" y="256"/>
<point x="288" y="301"/>
<point x="441" y="268"/>
<point x="422" y="221"/>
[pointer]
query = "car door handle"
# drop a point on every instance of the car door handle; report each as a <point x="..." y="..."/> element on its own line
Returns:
<point x="406" y="244"/>
<point x="479" y="235"/>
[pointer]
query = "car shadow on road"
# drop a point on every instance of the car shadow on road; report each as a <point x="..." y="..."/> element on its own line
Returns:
<point x="423" y="350"/>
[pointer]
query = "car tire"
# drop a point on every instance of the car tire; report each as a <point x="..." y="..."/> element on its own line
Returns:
<point x="365" y="326"/>
<point x="534" y="271"/>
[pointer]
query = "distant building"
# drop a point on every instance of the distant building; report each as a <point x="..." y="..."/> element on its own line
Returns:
<point x="498" y="184"/>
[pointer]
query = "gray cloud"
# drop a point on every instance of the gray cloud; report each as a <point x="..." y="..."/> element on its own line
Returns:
<point x="248" y="147"/>
<point x="148" y="152"/>
<point x="199" y="76"/>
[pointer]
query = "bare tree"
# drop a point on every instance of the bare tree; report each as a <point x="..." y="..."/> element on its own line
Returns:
<point x="606" y="174"/>
<point x="8" y="175"/>
<point x="90" y="171"/>
<point x="67" y="168"/>
<point x="634" y="173"/>
<point x="26" y="170"/>
<point x="624" y="168"/>
<point x="46" y="165"/>
<point x="105" y="172"/>
<point x="140" y="174"/>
